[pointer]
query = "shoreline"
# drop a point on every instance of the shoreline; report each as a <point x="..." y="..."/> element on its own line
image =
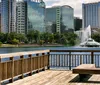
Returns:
<point x="31" y="45"/>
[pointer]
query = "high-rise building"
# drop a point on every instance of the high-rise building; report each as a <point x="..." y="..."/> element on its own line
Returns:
<point x="50" y="19"/>
<point x="4" y="16"/>
<point x="36" y="16"/>
<point x="0" y="16"/>
<point x="0" y="22"/>
<point x="12" y="15"/>
<point x="59" y="19"/>
<point x="8" y="16"/>
<point x="91" y="14"/>
<point x="22" y="17"/>
<point x="30" y="16"/>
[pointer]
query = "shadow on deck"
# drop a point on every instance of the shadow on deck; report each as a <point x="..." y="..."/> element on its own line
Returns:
<point x="56" y="77"/>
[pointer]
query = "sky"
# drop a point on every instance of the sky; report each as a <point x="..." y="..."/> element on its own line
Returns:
<point x="76" y="4"/>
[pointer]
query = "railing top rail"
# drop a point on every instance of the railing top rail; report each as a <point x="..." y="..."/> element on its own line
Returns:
<point x="74" y="50"/>
<point x="22" y="53"/>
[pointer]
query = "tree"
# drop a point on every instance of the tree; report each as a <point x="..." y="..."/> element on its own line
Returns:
<point x="2" y="38"/>
<point x="36" y="36"/>
<point x="96" y="37"/>
<point x="71" y="38"/>
<point x="30" y="36"/>
<point x="45" y="36"/>
<point x="11" y="36"/>
<point x="57" y="37"/>
<point x="21" y="37"/>
<point x="0" y="44"/>
<point x="15" y="41"/>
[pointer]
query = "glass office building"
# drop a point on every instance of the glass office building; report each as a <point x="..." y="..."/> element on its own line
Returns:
<point x="12" y="15"/>
<point x="4" y="16"/>
<point x="50" y="19"/>
<point x="60" y="19"/>
<point x="36" y="16"/>
<point x="8" y="16"/>
<point x="91" y="14"/>
<point x="67" y="17"/>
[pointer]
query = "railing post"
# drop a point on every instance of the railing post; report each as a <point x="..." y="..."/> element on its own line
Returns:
<point x="48" y="66"/>
<point x="0" y="72"/>
<point x="43" y="54"/>
<point x="92" y="57"/>
<point x="80" y="59"/>
<point x="12" y="69"/>
<point x="37" y="63"/>
<point x="69" y="60"/>
<point x="30" y="56"/>
<point x="22" y="67"/>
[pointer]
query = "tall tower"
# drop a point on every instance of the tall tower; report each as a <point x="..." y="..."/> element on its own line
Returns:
<point x="21" y="17"/>
<point x="4" y="16"/>
<point x="8" y="16"/>
<point x="12" y="15"/>
<point x="91" y="15"/>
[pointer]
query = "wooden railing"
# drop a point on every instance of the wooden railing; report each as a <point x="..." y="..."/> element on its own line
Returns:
<point x="73" y="58"/>
<point x="18" y="64"/>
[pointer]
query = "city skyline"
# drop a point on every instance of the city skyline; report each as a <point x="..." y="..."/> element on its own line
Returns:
<point x="76" y="4"/>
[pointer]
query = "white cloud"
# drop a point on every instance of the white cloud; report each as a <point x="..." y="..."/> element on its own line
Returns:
<point x="76" y="4"/>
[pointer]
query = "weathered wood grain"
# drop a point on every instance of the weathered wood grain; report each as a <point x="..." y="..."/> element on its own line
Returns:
<point x="54" y="77"/>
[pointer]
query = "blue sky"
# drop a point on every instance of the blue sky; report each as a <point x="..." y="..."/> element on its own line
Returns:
<point x="76" y="4"/>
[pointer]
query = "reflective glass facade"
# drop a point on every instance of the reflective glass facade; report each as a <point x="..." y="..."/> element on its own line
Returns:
<point x="60" y="19"/>
<point x="5" y="16"/>
<point x="12" y="15"/>
<point x="35" y="16"/>
<point x="8" y="16"/>
<point x="50" y="18"/>
<point x="68" y="17"/>
<point x="91" y="14"/>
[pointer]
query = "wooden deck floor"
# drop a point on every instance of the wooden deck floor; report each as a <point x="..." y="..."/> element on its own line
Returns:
<point x="55" y="77"/>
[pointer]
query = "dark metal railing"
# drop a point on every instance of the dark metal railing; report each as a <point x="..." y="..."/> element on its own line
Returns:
<point x="73" y="58"/>
<point x="35" y="61"/>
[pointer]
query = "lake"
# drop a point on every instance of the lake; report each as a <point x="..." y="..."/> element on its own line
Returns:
<point x="11" y="50"/>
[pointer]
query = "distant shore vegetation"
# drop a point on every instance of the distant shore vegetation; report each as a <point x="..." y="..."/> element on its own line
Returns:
<point x="35" y="37"/>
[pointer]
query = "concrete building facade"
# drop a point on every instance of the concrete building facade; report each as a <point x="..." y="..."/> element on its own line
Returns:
<point x="21" y="17"/>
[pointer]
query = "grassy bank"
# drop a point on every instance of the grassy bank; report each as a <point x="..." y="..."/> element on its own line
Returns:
<point x="30" y="45"/>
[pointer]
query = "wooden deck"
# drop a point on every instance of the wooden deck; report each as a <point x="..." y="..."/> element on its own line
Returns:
<point x="56" y="77"/>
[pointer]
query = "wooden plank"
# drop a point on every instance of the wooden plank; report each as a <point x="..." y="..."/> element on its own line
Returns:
<point x="82" y="66"/>
<point x="22" y="66"/>
<point x="86" y="69"/>
<point x="55" y="78"/>
<point x="4" y="70"/>
<point x="0" y="72"/>
<point x="12" y="69"/>
<point x="22" y="53"/>
<point x="38" y="63"/>
<point x="30" y="56"/>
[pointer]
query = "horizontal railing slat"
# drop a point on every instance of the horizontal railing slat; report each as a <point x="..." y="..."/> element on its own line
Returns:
<point x="26" y="63"/>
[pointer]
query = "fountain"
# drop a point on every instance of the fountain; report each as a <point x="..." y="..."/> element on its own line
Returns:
<point x="87" y="41"/>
